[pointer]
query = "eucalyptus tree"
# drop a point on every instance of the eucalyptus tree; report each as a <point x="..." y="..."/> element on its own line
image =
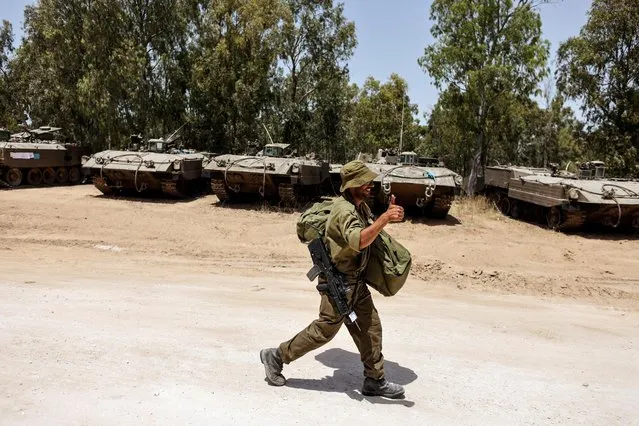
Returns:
<point x="484" y="52"/>
<point x="600" y="68"/>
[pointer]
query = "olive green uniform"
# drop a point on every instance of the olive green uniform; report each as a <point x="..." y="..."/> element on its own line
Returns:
<point x="342" y="238"/>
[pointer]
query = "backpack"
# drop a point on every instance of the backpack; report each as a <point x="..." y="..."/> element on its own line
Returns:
<point x="312" y="223"/>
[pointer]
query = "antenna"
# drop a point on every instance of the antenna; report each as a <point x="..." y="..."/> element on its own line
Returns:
<point x="267" y="133"/>
<point x="170" y="138"/>
<point x="401" y="129"/>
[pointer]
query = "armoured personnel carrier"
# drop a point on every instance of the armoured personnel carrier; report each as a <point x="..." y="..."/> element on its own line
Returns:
<point x="416" y="182"/>
<point x="275" y="173"/>
<point x="158" y="166"/>
<point x="564" y="200"/>
<point x="38" y="156"/>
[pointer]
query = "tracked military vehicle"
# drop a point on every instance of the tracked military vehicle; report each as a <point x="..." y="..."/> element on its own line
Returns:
<point x="38" y="156"/>
<point x="275" y="174"/>
<point x="157" y="166"/>
<point x="423" y="184"/>
<point x="564" y="200"/>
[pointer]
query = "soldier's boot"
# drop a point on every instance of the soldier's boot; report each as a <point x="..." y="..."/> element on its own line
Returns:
<point x="382" y="387"/>
<point x="273" y="366"/>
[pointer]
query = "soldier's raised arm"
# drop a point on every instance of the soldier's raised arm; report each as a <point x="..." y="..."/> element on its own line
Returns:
<point x="394" y="213"/>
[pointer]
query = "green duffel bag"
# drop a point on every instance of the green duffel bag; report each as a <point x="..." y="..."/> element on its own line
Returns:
<point x="388" y="266"/>
<point x="312" y="223"/>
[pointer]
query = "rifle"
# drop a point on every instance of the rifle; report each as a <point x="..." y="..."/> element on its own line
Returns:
<point x="336" y="284"/>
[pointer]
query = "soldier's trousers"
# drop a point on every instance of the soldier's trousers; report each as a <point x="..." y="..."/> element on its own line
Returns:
<point x="323" y="329"/>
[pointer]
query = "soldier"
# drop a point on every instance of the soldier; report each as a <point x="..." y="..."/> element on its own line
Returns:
<point x="350" y="230"/>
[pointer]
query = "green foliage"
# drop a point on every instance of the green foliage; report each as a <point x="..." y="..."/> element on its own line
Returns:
<point x="490" y="55"/>
<point x="8" y="99"/>
<point x="448" y="137"/>
<point x="230" y="69"/>
<point x="234" y="58"/>
<point x="377" y="120"/>
<point x="106" y="68"/>
<point x="316" y="40"/>
<point x="600" y="68"/>
<point x="522" y="133"/>
<point x="241" y="73"/>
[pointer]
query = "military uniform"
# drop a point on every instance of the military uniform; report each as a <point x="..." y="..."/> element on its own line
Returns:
<point x="343" y="229"/>
<point x="343" y="238"/>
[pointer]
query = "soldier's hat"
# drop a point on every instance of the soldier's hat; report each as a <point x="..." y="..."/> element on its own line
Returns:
<point x="355" y="174"/>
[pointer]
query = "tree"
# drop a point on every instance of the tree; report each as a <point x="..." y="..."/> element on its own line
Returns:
<point x="333" y="109"/>
<point x="8" y="96"/>
<point x="377" y="120"/>
<point x="600" y="67"/>
<point x="485" y="51"/>
<point x="521" y="133"/>
<point x="448" y="137"/>
<point x="102" y="69"/>
<point x="316" y="40"/>
<point x="235" y="55"/>
<point x="50" y="63"/>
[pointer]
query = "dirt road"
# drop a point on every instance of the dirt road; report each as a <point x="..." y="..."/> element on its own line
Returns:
<point x="118" y="311"/>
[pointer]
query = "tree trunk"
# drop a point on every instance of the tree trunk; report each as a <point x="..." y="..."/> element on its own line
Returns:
<point x="479" y="158"/>
<point x="476" y="166"/>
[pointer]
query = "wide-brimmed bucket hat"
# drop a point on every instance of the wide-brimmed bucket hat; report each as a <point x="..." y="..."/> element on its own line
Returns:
<point x="355" y="174"/>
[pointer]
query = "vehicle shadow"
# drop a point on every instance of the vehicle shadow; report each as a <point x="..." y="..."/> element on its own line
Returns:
<point x="147" y="198"/>
<point x="447" y="221"/>
<point x="347" y="377"/>
<point x="265" y="205"/>
<point x="589" y="231"/>
<point x="604" y="233"/>
<point x="25" y="187"/>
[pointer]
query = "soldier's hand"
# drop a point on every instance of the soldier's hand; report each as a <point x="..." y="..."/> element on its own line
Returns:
<point x="394" y="212"/>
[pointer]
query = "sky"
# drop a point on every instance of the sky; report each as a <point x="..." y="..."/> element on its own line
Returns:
<point x="392" y="35"/>
<point x="392" y="38"/>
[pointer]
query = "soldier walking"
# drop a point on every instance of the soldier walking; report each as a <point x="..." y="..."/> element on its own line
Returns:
<point x="350" y="230"/>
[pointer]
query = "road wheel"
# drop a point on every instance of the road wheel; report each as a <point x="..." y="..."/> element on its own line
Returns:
<point x="221" y="190"/>
<point x="74" y="175"/>
<point x="504" y="206"/>
<point x="48" y="176"/>
<point x="553" y="218"/>
<point x="62" y="175"/>
<point x="515" y="209"/>
<point x="441" y="206"/>
<point x="34" y="177"/>
<point x="14" y="177"/>
<point x="287" y="194"/>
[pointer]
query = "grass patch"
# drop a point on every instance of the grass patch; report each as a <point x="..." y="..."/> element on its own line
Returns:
<point x="474" y="207"/>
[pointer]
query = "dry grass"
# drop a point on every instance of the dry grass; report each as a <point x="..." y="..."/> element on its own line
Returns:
<point x="469" y="208"/>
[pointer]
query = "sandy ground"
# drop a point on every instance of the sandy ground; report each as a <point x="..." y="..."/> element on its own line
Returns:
<point x="116" y="311"/>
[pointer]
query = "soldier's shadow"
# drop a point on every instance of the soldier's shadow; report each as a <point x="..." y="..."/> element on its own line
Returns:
<point x="348" y="379"/>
